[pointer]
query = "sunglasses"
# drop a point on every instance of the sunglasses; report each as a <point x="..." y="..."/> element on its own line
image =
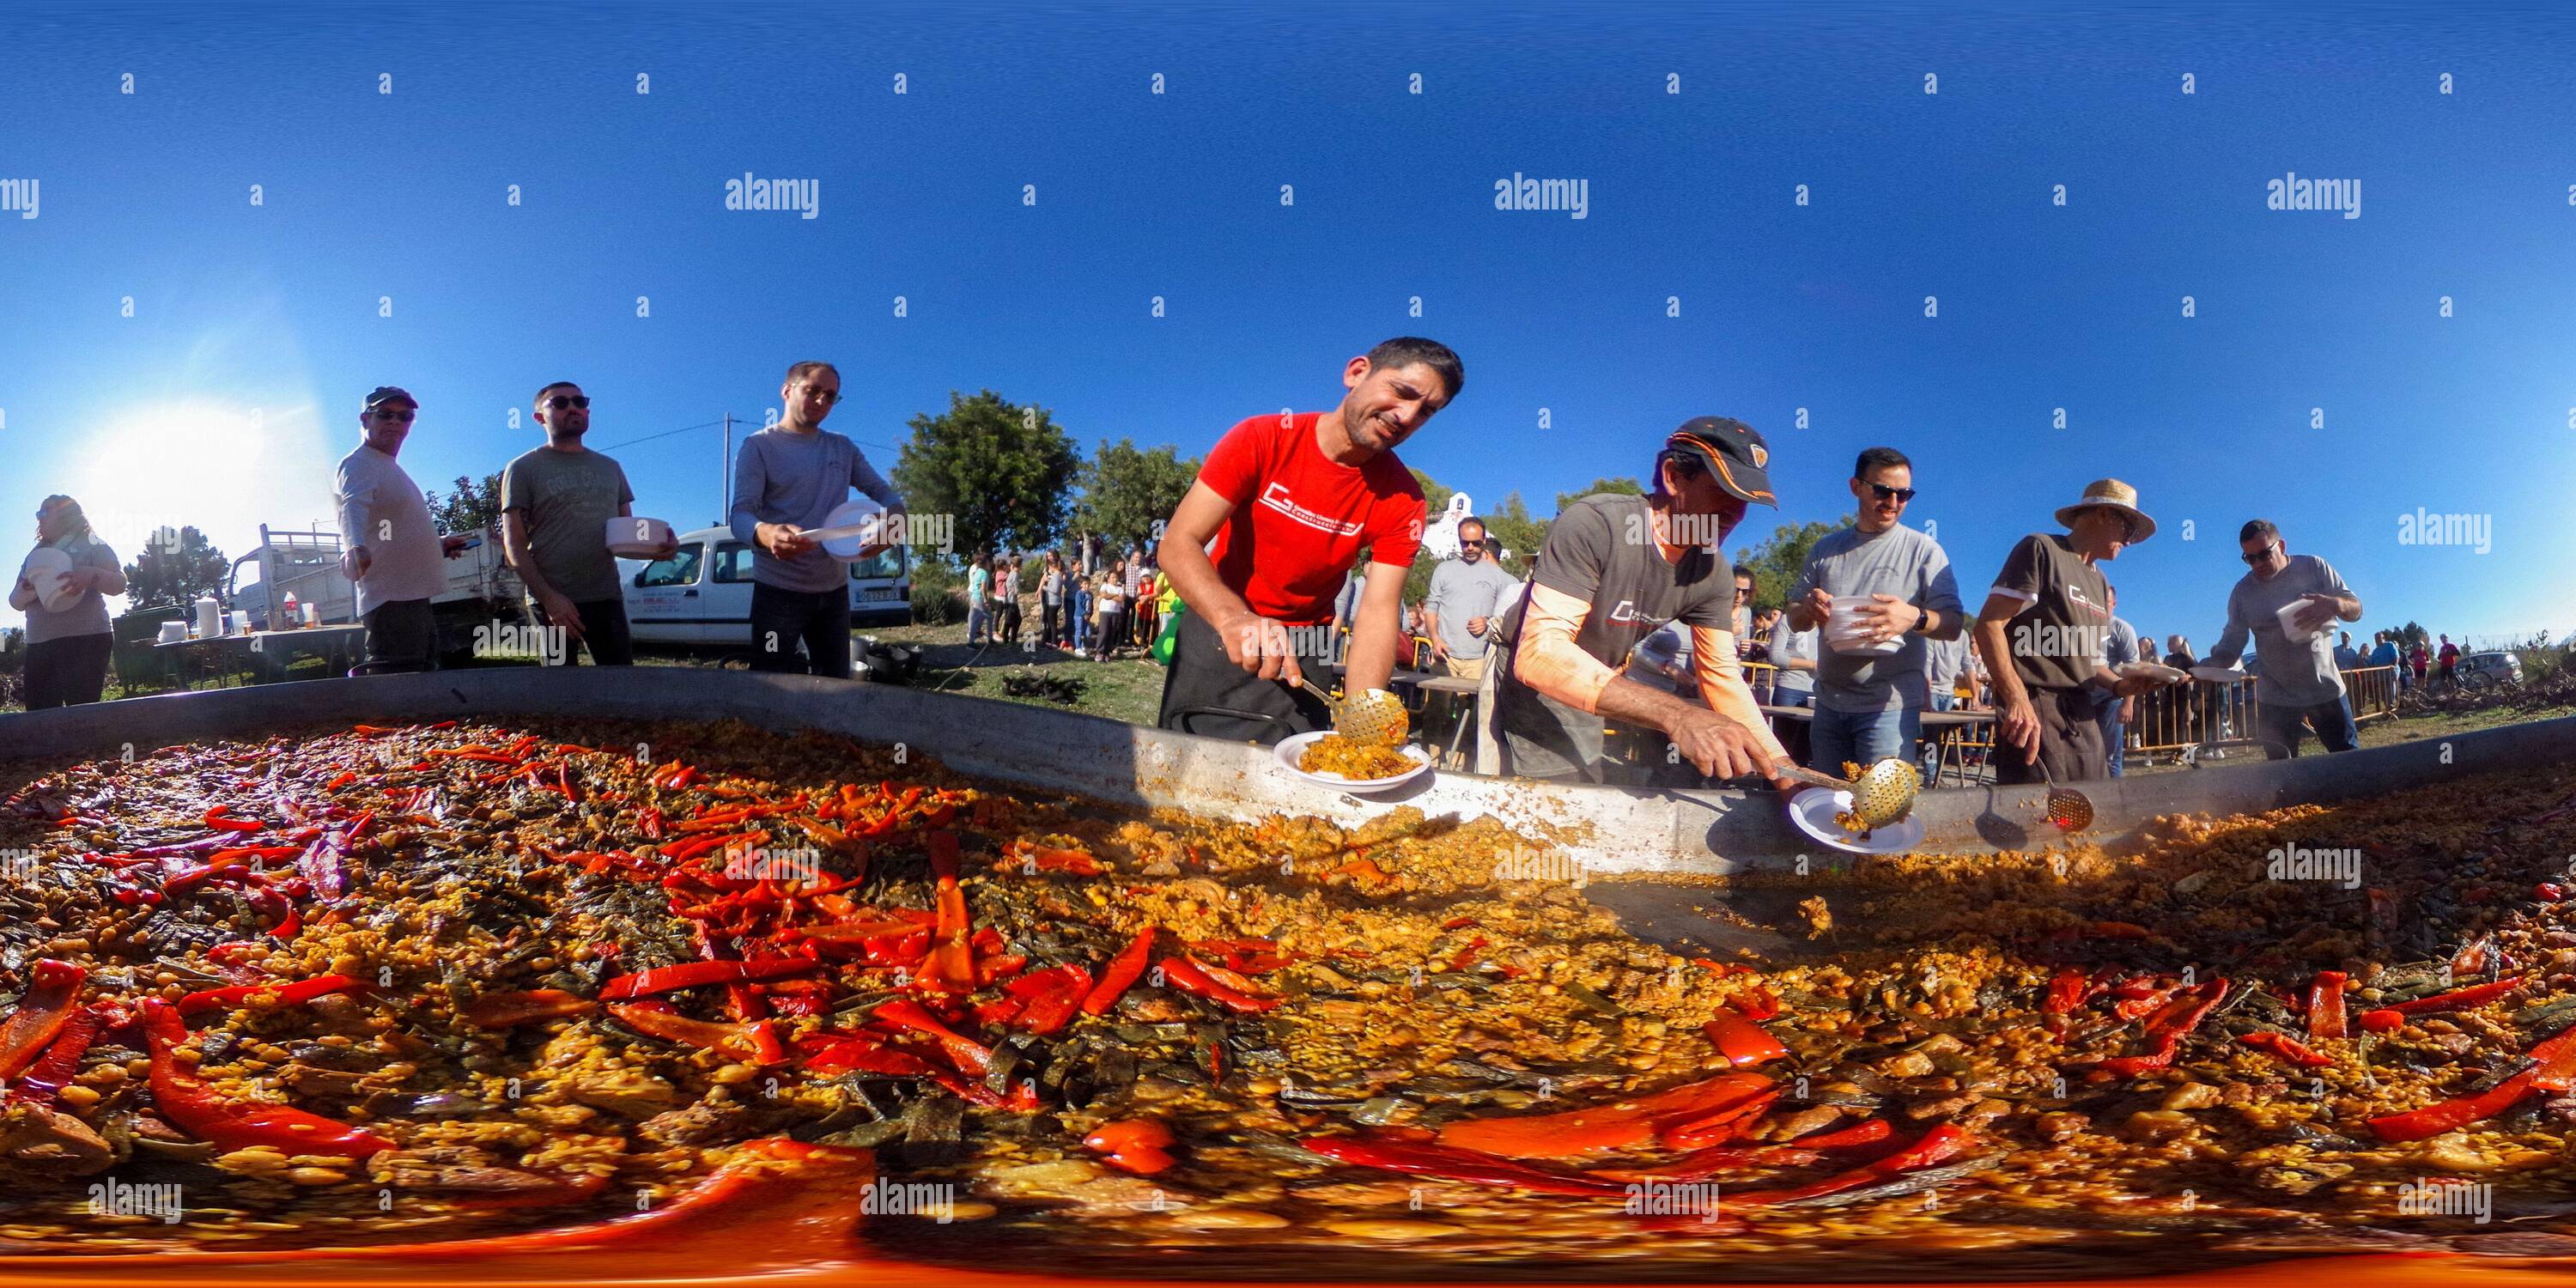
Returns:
<point x="2263" y="555"/>
<point x="405" y="415"/>
<point x="1885" y="493"/>
<point x="830" y="397"/>
<point x="561" y="401"/>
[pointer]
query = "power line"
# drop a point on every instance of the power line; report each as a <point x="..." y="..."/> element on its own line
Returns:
<point x="664" y="434"/>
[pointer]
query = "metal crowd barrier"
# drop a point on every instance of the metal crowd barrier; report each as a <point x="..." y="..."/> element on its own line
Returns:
<point x="2188" y="715"/>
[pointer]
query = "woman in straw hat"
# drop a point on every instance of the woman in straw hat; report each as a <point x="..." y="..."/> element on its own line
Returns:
<point x="2042" y="634"/>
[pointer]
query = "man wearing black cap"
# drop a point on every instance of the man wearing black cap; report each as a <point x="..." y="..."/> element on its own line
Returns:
<point x="1614" y="569"/>
<point x="389" y="546"/>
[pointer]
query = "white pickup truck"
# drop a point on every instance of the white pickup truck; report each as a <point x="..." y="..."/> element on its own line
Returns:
<point x="701" y="596"/>
<point x="480" y="589"/>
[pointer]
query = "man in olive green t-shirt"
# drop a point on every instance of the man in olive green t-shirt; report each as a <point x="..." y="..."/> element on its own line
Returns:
<point x="556" y="502"/>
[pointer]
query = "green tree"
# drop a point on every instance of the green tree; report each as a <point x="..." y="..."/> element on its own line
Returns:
<point x="472" y="507"/>
<point x="1127" y="494"/>
<point x="1622" y="485"/>
<point x="1776" y="561"/>
<point x="1511" y="524"/>
<point x="1002" y="471"/>
<point x="175" y="569"/>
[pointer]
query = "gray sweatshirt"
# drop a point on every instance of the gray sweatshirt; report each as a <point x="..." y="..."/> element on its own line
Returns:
<point x="781" y="476"/>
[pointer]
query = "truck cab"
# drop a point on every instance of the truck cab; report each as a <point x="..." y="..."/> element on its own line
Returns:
<point x="701" y="596"/>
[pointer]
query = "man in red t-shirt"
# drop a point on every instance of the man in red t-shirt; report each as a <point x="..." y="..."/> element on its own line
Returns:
<point x="1279" y="514"/>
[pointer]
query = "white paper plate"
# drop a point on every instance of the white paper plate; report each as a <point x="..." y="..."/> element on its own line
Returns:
<point x="1294" y="746"/>
<point x="46" y="568"/>
<point x="637" y="538"/>
<point x="2156" y="671"/>
<point x="1813" y="811"/>
<point x="846" y="530"/>
<point x="2217" y="674"/>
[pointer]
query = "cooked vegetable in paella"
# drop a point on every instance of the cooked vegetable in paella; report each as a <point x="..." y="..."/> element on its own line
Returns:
<point x="474" y="982"/>
<point x="1352" y="759"/>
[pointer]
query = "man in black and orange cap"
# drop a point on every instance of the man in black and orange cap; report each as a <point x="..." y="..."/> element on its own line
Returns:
<point x="1614" y="569"/>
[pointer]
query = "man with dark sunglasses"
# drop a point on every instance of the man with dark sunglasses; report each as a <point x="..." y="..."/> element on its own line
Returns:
<point x="2299" y="683"/>
<point x="788" y="479"/>
<point x="556" y="502"/>
<point x="1871" y="680"/>
<point x="390" y="548"/>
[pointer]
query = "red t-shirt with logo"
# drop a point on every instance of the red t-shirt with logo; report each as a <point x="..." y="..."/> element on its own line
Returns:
<point x="1307" y="516"/>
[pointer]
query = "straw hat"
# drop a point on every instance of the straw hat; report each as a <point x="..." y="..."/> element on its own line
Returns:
<point x="2112" y="494"/>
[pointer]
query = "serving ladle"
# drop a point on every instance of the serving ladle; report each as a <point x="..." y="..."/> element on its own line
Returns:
<point x="1368" y="716"/>
<point x="1882" y="795"/>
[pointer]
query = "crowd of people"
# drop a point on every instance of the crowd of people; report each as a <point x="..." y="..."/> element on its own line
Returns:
<point x="1630" y="617"/>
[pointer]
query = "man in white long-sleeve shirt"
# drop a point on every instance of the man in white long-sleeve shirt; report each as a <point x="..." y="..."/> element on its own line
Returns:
<point x="389" y="546"/>
<point x="788" y="478"/>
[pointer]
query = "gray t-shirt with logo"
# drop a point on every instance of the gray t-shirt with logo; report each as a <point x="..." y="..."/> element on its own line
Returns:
<point x="569" y="497"/>
<point x="787" y="476"/>
<point x="2298" y="675"/>
<point x="1900" y="562"/>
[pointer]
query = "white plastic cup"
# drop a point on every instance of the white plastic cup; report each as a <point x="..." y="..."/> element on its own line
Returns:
<point x="1845" y="632"/>
<point x="2289" y="616"/>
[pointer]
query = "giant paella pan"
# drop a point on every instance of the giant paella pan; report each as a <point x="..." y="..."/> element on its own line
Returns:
<point x="616" y="976"/>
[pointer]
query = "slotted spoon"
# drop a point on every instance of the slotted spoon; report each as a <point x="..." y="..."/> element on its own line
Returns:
<point x="2068" y="808"/>
<point x="1369" y="716"/>
<point x="1882" y="796"/>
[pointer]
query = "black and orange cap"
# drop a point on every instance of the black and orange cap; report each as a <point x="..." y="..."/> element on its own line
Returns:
<point x="1733" y="451"/>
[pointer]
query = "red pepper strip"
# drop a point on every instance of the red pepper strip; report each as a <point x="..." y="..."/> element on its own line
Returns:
<point x="1619" y="1125"/>
<point x="965" y="1052"/>
<point x="1757" y="1004"/>
<point x="2145" y="1004"/>
<point x="952" y="959"/>
<point x="2382" y="1020"/>
<point x="1453" y="1164"/>
<point x="2462" y="999"/>
<point x="41" y="1014"/>
<point x="302" y="990"/>
<point x="1121" y="974"/>
<point x="507" y="1010"/>
<point x="1718" y="1128"/>
<point x="682" y="777"/>
<point x="1053" y="995"/>
<point x="1867" y="1133"/>
<point x="214" y="818"/>
<point x="1743" y="1042"/>
<point x="1189" y="976"/>
<point x="2435" y="1119"/>
<point x="1139" y="1145"/>
<point x="833" y="1054"/>
<point x="2557" y="1068"/>
<point x="1938" y="1145"/>
<point x="1022" y="854"/>
<point x="47" y="1077"/>
<point x="2167" y="1028"/>
<point x="997" y="1012"/>
<point x="2325" y="1006"/>
<point x="193" y="1107"/>
<point x="2287" y="1049"/>
<point x="698" y="974"/>
<point x="346" y="778"/>
<point x="736" y="1040"/>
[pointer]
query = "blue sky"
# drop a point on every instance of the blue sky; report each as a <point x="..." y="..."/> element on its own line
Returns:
<point x="225" y="398"/>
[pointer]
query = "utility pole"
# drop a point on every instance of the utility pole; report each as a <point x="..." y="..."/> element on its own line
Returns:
<point x="726" y="467"/>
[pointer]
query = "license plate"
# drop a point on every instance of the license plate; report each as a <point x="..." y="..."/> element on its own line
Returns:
<point x="876" y="592"/>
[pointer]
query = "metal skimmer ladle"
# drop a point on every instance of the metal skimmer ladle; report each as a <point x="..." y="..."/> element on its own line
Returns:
<point x="2068" y="808"/>
<point x="1882" y="795"/>
<point x="1371" y="715"/>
